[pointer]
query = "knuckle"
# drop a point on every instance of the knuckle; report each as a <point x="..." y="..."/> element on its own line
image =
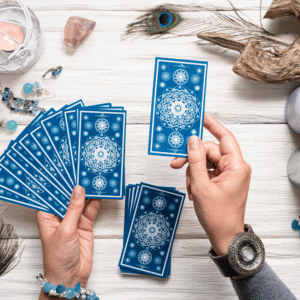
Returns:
<point x="74" y="205"/>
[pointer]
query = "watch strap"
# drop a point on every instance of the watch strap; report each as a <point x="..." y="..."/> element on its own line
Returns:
<point x="222" y="262"/>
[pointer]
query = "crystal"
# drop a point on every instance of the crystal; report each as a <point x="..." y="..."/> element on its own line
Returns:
<point x="71" y="293"/>
<point x="47" y="287"/>
<point x="295" y="225"/>
<point x="76" y="30"/>
<point x="77" y="288"/>
<point x="247" y="253"/>
<point x="28" y="88"/>
<point x="60" y="288"/>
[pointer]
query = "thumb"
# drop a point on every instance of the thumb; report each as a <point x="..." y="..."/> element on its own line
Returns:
<point x="197" y="162"/>
<point x="75" y="209"/>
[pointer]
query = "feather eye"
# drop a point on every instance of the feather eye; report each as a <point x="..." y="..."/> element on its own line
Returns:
<point x="186" y="20"/>
<point x="158" y="21"/>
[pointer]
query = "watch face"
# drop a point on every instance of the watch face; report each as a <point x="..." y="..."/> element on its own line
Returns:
<point x="246" y="254"/>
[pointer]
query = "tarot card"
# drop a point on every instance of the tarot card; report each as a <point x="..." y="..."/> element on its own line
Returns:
<point x="152" y="231"/>
<point x="54" y="199"/>
<point x="39" y="173"/>
<point x="178" y="102"/>
<point x="38" y="147"/>
<point x="11" y="196"/>
<point x="101" y="153"/>
<point x="71" y="122"/>
<point x="55" y="128"/>
<point x="44" y="169"/>
<point x="17" y="181"/>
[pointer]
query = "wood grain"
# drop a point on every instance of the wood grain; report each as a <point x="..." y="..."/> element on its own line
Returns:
<point x="194" y="276"/>
<point x="272" y="203"/>
<point x="105" y="69"/>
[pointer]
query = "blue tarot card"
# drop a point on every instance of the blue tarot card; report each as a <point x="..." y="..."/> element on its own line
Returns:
<point x="151" y="234"/>
<point x="178" y="101"/>
<point x="46" y="169"/>
<point x="11" y="196"/>
<point x="40" y="175"/>
<point x="71" y="122"/>
<point x="55" y="128"/>
<point x="101" y="153"/>
<point x="16" y="180"/>
<point x="70" y="118"/>
<point x="38" y="184"/>
<point x="38" y="147"/>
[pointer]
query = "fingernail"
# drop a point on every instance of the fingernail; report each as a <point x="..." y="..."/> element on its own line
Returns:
<point x="194" y="143"/>
<point x="77" y="192"/>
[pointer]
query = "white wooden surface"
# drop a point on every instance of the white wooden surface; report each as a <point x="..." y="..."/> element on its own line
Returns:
<point x="105" y="69"/>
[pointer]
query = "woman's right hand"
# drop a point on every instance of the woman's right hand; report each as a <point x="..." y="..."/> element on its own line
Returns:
<point x="220" y="195"/>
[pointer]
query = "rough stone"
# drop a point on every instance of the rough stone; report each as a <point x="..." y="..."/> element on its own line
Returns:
<point x="76" y="30"/>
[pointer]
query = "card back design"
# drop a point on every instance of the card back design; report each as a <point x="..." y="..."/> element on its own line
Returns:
<point x="177" y="105"/>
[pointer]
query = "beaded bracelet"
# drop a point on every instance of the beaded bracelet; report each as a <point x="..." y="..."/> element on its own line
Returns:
<point x="69" y="293"/>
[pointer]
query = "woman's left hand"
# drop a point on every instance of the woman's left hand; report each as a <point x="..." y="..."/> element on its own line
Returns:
<point x="68" y="244"/>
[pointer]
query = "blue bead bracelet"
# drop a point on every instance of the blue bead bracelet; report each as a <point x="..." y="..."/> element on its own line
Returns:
<point x="68" y="293"/>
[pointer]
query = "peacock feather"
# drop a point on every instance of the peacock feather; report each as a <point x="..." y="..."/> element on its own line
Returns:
<point x="160" y="20"/>
<point x="10" y="248"/>
<point x="184" y="20"/>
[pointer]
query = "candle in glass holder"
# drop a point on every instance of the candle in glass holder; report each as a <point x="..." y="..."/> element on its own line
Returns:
<point x="11" y="36"/>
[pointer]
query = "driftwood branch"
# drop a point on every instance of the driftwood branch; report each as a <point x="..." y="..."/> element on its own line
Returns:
<point x="281" y="8"/>
<point x="257" y="64"/>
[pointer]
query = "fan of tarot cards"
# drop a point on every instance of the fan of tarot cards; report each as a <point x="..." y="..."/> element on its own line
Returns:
<point x="59" y="149"/>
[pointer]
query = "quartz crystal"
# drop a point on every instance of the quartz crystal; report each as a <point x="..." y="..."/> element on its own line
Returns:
<point x="76" y="30"/>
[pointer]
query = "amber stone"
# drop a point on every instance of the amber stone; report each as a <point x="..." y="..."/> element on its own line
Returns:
<point x="76" y="30"/>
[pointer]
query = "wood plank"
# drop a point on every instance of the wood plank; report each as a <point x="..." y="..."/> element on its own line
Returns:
<point x="119" y="5"/>
<point x="193" y="274"/>
<point x="106" y="69"/>
<point x="272" y="203"/>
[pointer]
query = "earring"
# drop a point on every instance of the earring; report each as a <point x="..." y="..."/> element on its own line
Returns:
<point x="36" y="89"/>
<point x="11" y="125"/>
<point x="54" y="72"/>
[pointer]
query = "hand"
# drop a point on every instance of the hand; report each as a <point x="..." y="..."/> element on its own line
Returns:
<point x="68" y="244"/>
<point x="219" y="195"/>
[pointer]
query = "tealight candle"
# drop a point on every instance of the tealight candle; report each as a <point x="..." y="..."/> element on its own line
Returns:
<point x="11" y="36"/>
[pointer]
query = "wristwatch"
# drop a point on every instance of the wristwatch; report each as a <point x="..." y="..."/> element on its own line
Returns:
<point x="246" y="255"/>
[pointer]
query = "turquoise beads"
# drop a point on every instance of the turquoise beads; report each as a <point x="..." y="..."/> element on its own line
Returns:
<point x="47" y="287"/>
<point x="68" y="293"/>
<point x="60" y="288"/>
<point x="71" y="293"/>
<point x="28" y="88"/>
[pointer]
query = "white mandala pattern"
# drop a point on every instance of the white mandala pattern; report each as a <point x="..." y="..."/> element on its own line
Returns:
<point x="99" y="183"/>
<point x="145" y="257"/>
<point x="177" y="108"/>
<point x="102" y="125"/>
<point x="100" y="154"/>
<point x="180" y="77"/>
<point x="175" y="139"/>
<point x="64" y="152"/>
<point x="62" y="124"/>
<point x="159" y="203"/>
<point x="152" y="230"/>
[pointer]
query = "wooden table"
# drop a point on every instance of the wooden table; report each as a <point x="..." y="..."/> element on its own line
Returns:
<point x="105" y="69"/>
